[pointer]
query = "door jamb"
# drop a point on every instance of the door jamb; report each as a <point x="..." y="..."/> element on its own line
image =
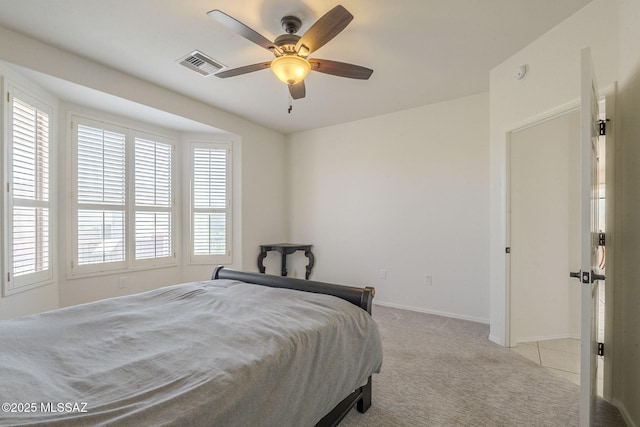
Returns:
<point x="613" y="199"/>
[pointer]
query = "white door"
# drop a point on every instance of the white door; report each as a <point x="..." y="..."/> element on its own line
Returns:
<point x="588" y="274"/>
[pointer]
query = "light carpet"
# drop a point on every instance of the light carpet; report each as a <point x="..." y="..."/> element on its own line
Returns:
<point x="439" y="371"/>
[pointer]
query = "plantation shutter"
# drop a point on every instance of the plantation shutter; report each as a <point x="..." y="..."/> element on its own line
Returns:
<point x="211" y="202"/>
<point x="153" y="199"/>
<point x="29" y="202"/>
<point x="101" y="195"/>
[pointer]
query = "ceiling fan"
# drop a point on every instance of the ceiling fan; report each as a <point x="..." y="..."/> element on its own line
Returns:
<point x="291" y="64"/>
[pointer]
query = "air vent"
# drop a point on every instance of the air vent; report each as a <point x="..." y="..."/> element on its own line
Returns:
<point x="201" y="63"/>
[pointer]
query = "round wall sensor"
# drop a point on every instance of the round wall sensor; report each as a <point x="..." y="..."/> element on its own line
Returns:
<point x="520" y="73"/>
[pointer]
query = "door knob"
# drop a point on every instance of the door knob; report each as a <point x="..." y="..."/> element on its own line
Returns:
<point x="586" y="277"/>
<point x="595" y="276"/>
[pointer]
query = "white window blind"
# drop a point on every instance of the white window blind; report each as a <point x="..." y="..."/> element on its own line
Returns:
<point x="124" y="206"/>
<point x="153" y="199"/>
<point x="211" y="202"/>
<point x="29" y="236"/>
<point x="101" y="195"/>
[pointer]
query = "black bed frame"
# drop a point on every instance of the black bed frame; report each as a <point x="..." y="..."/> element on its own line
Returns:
<point x="362" y="297"/>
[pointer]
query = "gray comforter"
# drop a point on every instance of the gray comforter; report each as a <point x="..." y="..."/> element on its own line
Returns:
<point x="214" y="353"/>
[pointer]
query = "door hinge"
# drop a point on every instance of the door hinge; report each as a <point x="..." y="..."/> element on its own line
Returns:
<point x="600" y="349"/>
<point x="601" y="239"/>
<point x="8" y="277"/>
<point x="602" y="125"/>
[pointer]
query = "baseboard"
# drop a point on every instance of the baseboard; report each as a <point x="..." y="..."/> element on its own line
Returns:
<point x="497" y="340"/>
<point x="546" y="338"/>
<point x="437" y="313"/>
<point x="625" y="414"/>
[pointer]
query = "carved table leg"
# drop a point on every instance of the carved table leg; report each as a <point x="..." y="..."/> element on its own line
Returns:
<point x="261" y="257"/>
<point x="309" y="255"/>
<point x="283" y="252"/>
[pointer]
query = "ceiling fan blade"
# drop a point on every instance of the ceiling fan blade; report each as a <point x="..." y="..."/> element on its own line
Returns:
<point x="242" y="70"/>
<point x="241" y="29"/>
<point x="323" y="30"/>
<point x="297" y="91"/>
<point x="341" y="69"/>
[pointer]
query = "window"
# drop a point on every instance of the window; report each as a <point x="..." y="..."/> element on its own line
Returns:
<point x="153" y="199"/>
<point x="28" y="209"/>
<point x="101" y="196"/>
<point x="124" y="210"/>
<point x="210" y="203"/>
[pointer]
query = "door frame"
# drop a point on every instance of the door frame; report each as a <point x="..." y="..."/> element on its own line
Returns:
<point x="613" y="215"/>
<point x="534" y="121"/>
<point x="613" y="198"/>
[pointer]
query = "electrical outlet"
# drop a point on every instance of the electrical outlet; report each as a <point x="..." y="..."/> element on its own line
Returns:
<point x="122" y="282"/>
<point x="382" y="274"/>
<point x="428" y="279"/>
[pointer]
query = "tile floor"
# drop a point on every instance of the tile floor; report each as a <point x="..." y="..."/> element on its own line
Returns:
<point x="562" y="356"/>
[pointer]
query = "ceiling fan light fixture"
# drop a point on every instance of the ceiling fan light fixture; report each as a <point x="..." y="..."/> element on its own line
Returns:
<point x="290" y="69"/>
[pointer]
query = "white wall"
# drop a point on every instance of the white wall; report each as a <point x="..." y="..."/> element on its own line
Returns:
<point x="610" y="28"/>
<point x="258" y="173"/>
<point x="405" y="192"/>
<point x="553" y="82"/>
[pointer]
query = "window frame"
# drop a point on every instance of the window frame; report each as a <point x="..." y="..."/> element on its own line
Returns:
<point x="171" y="259"/>
<point x="129" y="263"/>
<point x="12" y="284"/>
<point x="77" y="268"/>
<point x="210" y="259"/>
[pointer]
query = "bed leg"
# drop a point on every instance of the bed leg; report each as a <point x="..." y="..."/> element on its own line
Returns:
<point x="365" y="401"/>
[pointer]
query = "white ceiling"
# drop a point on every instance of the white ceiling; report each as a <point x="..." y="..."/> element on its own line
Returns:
<point x="421" y="51"/>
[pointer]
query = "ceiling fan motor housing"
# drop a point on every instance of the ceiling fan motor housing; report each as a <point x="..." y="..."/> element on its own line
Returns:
<point x="287" y="42"/>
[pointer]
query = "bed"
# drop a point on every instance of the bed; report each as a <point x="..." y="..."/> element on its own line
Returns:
<point x="241" y="349"/>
